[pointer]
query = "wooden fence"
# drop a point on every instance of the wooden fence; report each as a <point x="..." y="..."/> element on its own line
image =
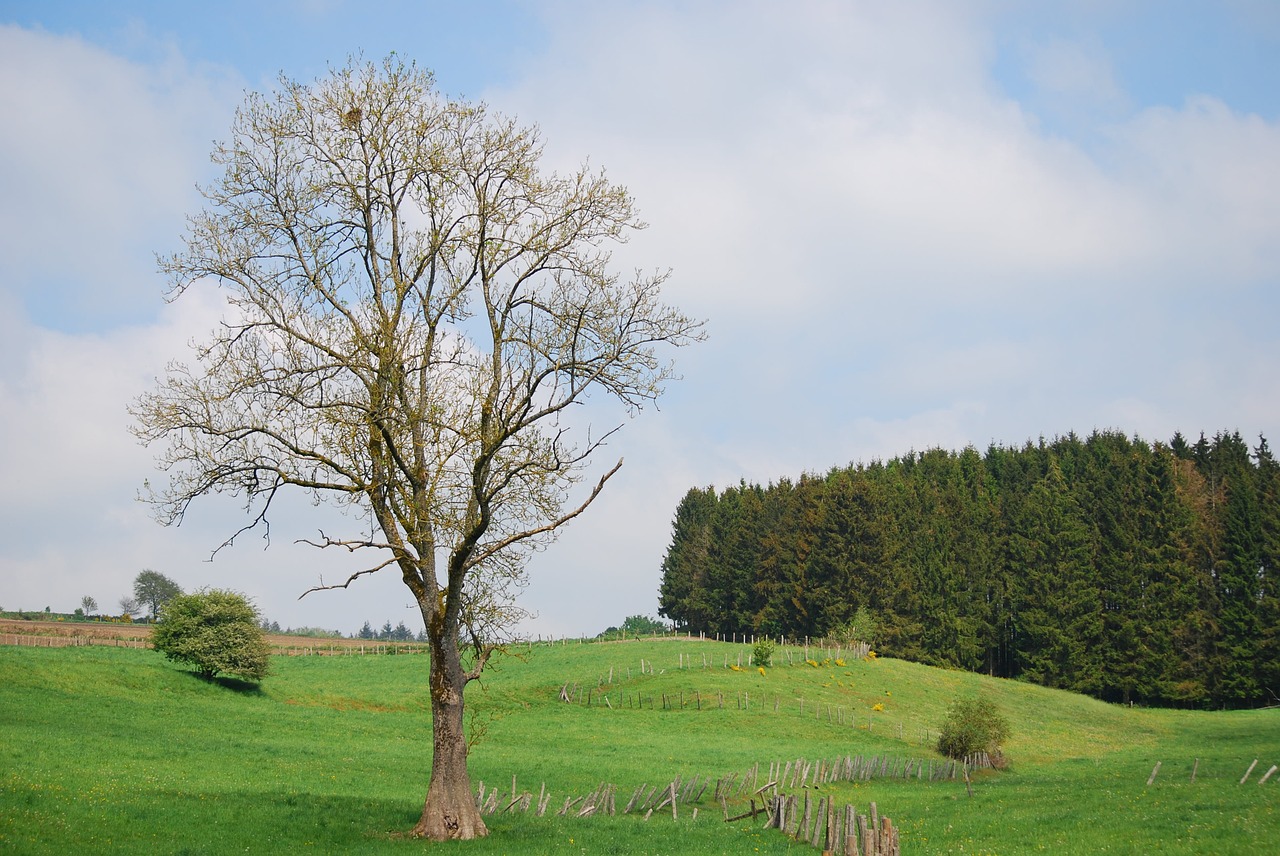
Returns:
<point x="289" y="649"/>
<point x="49" y="641"/>
<point x="858" y="768"/>
<point x="819" y="822"/>
<point x="1195" y="769"/>
<point x="833" y="829"/>
<point x="606" y="696"/>
<point x="348" y="649"/>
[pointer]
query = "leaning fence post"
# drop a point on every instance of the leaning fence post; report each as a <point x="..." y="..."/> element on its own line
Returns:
<point x="1245" y="777"/>
<point x="1154" y="771"/>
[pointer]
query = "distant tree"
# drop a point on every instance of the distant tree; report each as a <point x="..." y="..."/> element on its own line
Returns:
<point x="1058" y="597"/>
<point x="315" y="632"/>
<point x="215" y="631"/>
<point x="366" y="632"/>
<point x="638" y="624"/>
<point x="129" y="607"/>
<point x="1268" y="485"/>
<point x="1238" y="574"/>
<point x="153" y="589"/>
<point x="683" y="595"/>
<point x="634" y="625"/>
<point x="89" y="605"/>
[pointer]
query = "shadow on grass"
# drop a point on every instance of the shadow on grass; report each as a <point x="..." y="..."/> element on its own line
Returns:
<point x="236" y="685"/>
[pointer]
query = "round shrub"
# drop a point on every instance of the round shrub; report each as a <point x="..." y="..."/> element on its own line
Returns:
<point x="973" y="726"/>
<point x="215" y="631"/>
<point x="762" y="654"/>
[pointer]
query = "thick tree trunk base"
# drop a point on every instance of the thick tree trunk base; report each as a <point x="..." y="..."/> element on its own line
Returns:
<point x="450" y="811"/>
<point x="444" y="820"/>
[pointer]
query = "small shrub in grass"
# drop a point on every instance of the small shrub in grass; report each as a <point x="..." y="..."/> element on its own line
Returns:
<point x="215" y="631"/>
<point x="762" y="654"/>
<point x="971" y="726"/>
<point x="862" y="627"/>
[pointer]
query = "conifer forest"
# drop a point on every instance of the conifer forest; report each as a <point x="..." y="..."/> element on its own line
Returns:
<point x="1130" y="571"/>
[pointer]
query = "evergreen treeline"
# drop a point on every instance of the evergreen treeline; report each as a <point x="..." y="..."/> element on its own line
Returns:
<point x="1128" y="571"/>
<point x="399" y="633"/>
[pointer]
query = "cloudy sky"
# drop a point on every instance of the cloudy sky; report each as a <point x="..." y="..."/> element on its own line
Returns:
<point x="917" y="224"/>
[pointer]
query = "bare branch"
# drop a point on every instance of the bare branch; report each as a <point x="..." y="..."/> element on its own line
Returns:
<point x="349" y="580"/>
<point x="550" y="526"/>
<point x="351" y="545"/>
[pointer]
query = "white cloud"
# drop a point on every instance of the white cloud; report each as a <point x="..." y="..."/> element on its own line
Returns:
<point x="1211" y="179"/>
<point x="72" y="392"/>
<point x="99" y="158"/>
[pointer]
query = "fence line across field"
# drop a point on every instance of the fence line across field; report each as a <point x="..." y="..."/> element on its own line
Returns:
<point x="816" y="820"/>
<point x="44" y="640"/>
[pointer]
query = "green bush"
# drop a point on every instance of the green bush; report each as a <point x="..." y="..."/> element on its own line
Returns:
<point x="762" y="654"/>
<point x="971" y="726"/>
<point x="215" y="631"/>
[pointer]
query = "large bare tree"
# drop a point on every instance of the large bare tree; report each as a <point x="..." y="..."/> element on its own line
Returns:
<point x="415" y="306"/>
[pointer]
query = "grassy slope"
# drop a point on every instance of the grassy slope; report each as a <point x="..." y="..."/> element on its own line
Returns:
<point x="117" y="750"/>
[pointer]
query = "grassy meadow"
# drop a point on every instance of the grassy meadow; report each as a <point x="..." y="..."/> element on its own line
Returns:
<point x="118" y="750"/>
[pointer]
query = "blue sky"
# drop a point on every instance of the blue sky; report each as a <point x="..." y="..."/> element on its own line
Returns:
<point x="909" y="225"/>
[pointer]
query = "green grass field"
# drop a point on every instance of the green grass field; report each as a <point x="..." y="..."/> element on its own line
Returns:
<point x="117" y="750"/>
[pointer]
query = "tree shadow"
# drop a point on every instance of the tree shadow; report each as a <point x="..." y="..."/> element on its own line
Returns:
<point x="236" y="685"/>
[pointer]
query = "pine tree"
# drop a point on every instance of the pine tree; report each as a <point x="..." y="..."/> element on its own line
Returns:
<point x="683" y="595"/>
<point x="1237" y="575"/>
<point x="1169" y="610"/>
<point x="1268" y="653"/>
<point x="1059" y="613"/>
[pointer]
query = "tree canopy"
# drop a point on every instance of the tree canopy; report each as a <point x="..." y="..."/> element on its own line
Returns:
<point x="215" y="631"/>
<point x="416" y="311"/>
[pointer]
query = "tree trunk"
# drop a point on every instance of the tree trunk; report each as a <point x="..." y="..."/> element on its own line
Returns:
<point x="450" y="809"/>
